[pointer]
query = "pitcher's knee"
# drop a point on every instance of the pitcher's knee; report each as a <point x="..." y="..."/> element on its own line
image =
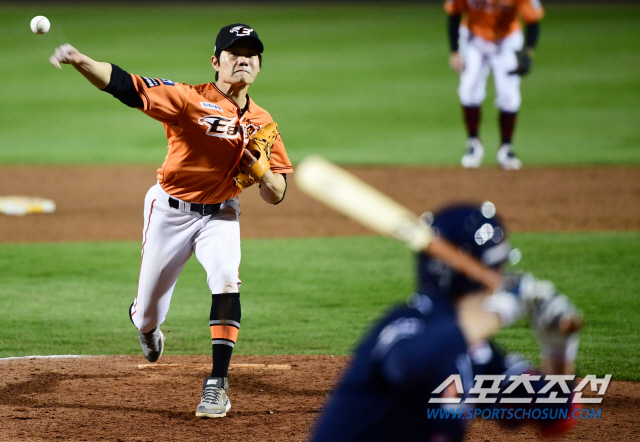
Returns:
<point x="226" y="285"/>
<point x="231" y="287"/>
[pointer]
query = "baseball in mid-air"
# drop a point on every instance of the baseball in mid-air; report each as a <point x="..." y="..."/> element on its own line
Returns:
<point x="40" y="24"/>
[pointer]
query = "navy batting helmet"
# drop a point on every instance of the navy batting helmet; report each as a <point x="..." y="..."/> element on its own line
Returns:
<point x="476" y="229"/>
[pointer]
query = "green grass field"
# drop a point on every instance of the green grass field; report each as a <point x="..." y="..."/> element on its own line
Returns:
<point x="316" y="296"/>
<point x="354" y="83"/>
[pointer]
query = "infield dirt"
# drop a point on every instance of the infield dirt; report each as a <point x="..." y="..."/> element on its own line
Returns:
<point x="109" y="398"/>
<point x="106" y="203"/>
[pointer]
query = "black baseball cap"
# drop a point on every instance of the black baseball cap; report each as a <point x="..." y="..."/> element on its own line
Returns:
<point x="228" y="35"/>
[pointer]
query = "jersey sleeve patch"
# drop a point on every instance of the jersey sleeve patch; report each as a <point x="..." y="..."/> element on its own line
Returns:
<point x="151" y="82"/>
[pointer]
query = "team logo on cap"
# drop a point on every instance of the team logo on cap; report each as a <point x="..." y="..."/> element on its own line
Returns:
<point x="241" y="31"/>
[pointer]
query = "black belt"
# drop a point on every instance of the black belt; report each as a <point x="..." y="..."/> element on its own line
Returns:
<point x="202" y="209"/>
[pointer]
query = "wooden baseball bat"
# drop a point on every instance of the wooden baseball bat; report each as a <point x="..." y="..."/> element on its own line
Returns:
<point x="347" y="194"/>
<point x="356" y="199"/>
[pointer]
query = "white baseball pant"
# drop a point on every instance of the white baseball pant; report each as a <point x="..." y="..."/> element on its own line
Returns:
<point x="482" y="56"/>
<point x="170" y="236"/>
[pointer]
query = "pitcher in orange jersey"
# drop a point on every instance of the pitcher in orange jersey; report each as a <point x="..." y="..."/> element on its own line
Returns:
<point x="193" y="208"/>
<point x="485" y="36"/>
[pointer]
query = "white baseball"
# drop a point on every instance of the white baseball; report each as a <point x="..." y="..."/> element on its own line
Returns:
<point x="40" y="24"/>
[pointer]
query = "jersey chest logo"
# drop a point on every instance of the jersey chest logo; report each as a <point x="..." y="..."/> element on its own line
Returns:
<point x="221" y="127"/>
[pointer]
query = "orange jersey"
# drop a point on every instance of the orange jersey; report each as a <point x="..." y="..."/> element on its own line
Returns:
<point x="207" y="133"/>
<point x="493" y="20"/>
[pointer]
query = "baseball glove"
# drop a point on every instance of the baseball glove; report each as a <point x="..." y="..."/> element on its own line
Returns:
<point x="524" y="63"/>
<point x="260" y="147"/>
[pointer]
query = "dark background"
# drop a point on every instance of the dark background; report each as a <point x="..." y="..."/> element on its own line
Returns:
<point x="72" y="2"/>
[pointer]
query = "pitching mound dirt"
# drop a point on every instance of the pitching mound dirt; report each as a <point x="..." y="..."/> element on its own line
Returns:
<point x="110" y="398"/>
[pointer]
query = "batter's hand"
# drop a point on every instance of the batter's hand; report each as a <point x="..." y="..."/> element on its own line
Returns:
<point x="456" y="62"/>
<point x="65" y="54"/>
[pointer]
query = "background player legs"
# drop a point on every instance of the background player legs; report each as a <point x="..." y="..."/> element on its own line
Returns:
<point x="507" y="122"/>
<point x="508" y="97"/>
<point x="472" y="116"/>
<point x="472" y="92"/>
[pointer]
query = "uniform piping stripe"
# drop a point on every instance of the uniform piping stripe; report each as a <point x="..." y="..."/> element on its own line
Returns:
<point x="230" y="99"/>
<point x="146" y="97"/>
<point x="222" y="342"/>
<point x="225" y="322"/>
<point x="142" y="258"/>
